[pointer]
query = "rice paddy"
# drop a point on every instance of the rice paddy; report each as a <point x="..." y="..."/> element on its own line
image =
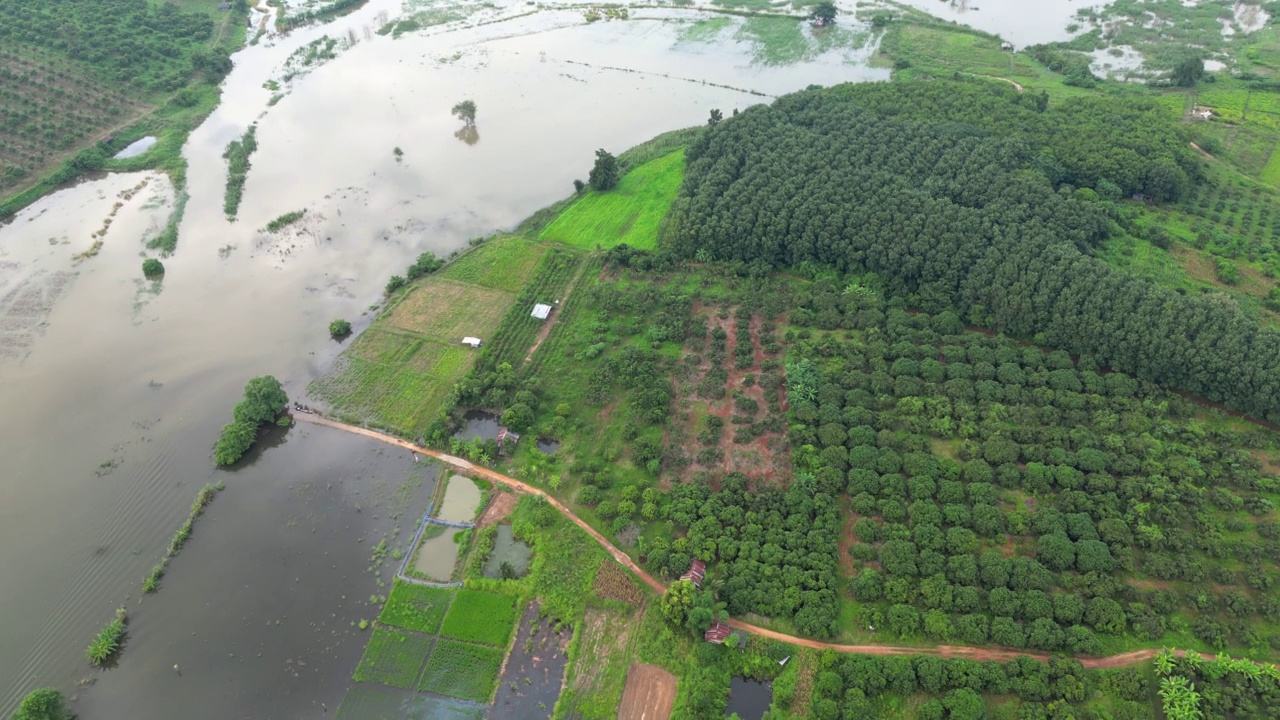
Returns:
<point x="393" y="657"/>
<point x="416" y="607"/>
<point x="630" y="213"/>
<point x="462" y="670"/>
<point x="481" y="617"/>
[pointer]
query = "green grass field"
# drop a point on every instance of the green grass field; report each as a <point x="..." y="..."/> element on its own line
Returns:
<point x="502" y="264"/>
<point x="462" y="670"/>
<point x="480" y="617"/>
<point x="393" y="657"/>
<point x="627" y="214"/>
<point x="415" y="607"/>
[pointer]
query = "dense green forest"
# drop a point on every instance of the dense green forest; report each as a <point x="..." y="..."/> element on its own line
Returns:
<point x="974" y="198"/>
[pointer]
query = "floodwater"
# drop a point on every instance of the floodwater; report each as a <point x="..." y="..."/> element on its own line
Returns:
<point x="548" y="446"/>
<point x="259" y="610"/>
<point x="506" y="548"/>
<point x="749" y="698"/>
<point x="437" y="553"/>
<point x="461" y="500"/>
<point x="136" y="148"/>
<point x="534" y="673"/>
<point x="1020" y="22"/>
<point x="115" y="387"/>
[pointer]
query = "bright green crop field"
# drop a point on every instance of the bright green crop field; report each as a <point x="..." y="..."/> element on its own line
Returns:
<point x="627" y="214"/>
<point x="416" y="607"/>
<point x="481" y="617"/>
<point x="462" y="670"/>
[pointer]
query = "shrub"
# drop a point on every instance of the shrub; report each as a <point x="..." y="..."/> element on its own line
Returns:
<point x="107" y="643"/>
<point x="152" y="267"/>
<point x="395" y="283"/>
<point x="42" y="704"/>
<point x="339" y="328"/>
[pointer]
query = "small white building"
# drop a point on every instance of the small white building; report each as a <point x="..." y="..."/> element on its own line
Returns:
<point x="541" y="311"/>
<point x="471" y="342"/>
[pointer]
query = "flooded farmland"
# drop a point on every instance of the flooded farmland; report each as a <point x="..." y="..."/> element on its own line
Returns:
<point x="115" y="386"/>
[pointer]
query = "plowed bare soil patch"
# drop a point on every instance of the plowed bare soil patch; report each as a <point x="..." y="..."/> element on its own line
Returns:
<point x="499" y="508"/>
<point x="650" y="694"/>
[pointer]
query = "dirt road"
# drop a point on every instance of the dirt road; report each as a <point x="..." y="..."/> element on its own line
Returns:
<point x="945" y="651"/>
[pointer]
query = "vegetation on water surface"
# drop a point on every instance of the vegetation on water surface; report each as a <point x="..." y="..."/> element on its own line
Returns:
<point x="152" y="268"/>
<point x="108" y="641"/>
<point x="183" y="533"/>
<point x="264" y="400"/>
<point x="42" y="704"/>
<point x="482" y="617"/>
<point x="462" y="670"/>
<point x="393" y="657"/>
<point x="285" y="220"/>
<point x="340" y="328"/>
<point x="629" y="214"/>
<point x="416" y="607"/>
<point x="237" y="157"/>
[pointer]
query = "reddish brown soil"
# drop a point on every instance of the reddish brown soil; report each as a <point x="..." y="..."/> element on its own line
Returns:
<point x="500" y="506"/>
<point x="649" y="695"/>
<point x="767" y="459"/>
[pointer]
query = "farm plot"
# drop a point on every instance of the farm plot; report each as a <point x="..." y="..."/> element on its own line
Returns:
<point x="614" y="583"/>
<point x="628" y="214"/>
<point x="607" y="640"/>
<point x="534" y="673"/>
<point x="518" y="330"/>
<point x="462" y="670"/>
<point x="481" y="617"/>
<point x="393" y="657"/>
<point x="501" y="264"/>
<point x="415" y="607"/>
<point x="650" y="694"/>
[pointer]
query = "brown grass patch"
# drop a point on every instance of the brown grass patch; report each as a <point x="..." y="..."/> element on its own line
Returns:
<point x="650" y="694"/>
<point x="614" y="583"/>
<point x="449" y="310"/>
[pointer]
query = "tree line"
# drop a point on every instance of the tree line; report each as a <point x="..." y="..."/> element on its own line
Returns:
<point x="973" y="198"/>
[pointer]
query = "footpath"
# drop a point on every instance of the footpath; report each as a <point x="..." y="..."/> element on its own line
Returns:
<point x="944" y="651"/>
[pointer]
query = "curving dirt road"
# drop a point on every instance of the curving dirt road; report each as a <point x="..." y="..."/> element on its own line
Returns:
<point x="945" y="651"/>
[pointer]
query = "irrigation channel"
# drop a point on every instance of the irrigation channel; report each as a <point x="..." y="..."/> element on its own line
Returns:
<point x="116" y="386"/>
<point x="945" y="651"/>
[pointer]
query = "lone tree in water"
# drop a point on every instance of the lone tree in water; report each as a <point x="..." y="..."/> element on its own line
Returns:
<point x="604" y="176"/>
<point x="716" y="117"/>
<point x="824" y="13"/>
<point x="466" y="112"/>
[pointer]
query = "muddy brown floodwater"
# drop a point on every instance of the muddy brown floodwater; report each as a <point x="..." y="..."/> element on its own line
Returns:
<point x="114" y="387"/>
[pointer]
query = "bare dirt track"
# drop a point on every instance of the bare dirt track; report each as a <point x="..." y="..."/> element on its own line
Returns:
<point x="944" y="651"/>
<point x="649" y="695"/>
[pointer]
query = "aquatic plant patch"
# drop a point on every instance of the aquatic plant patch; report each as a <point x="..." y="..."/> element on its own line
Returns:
<point x="108" y="641"/>
<point x="415" y="607"/>
<point x="630" y="213"/>
<point x="393" y="657"/>
<point x="462" y="670"/>
<point x="480" y="617"/>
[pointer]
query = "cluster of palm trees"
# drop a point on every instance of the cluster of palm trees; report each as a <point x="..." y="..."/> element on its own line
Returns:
<point x="1178" y="693"/>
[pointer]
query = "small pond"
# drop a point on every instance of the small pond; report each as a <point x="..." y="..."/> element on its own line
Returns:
<point x="548" y="446"/>
<point x="437" y="553"/>
<point x="478" y="424"/>
<point x="749" y="698"/>
<point x="506" y="548"/>
<point x="136" y="148"/>
<point x="461" y="501"/>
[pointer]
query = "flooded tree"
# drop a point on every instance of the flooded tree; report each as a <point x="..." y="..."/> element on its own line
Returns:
<point x="824" y="13"/>
<point x="466" y="112"/>
<point x="716" y="117"/>
<point x="604" y="176"/>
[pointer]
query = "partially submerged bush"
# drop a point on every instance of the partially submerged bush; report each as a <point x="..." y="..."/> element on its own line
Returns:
<point x="339" y="328"/>
<point x="264" y="400"/>
<point x="152" y="267"/>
